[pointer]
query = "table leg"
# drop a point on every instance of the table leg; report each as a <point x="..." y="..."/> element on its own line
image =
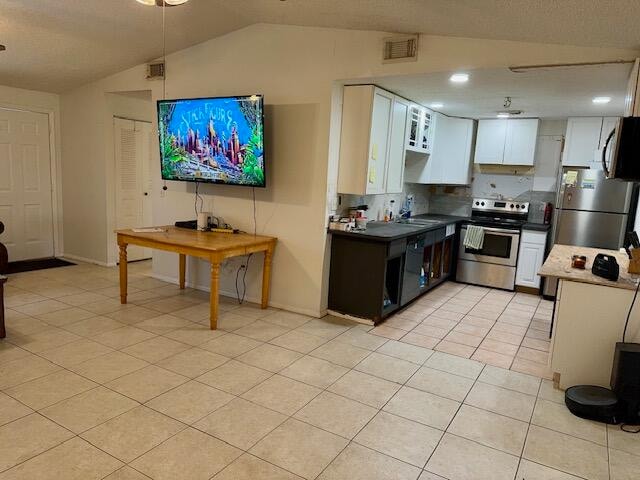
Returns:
<point x="213" y="300"/>
<point x="183" y="269"/>
<point x="3" y="332"/>
<point x="123" y="273"/>
<point x="266" y="277"/>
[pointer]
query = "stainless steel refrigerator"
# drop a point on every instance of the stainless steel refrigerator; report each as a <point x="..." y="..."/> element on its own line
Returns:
<point x="591" y="211"/>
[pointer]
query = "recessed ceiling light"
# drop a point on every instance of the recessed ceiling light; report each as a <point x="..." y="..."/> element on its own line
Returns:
<point x="601" y="100"/>
<point x="503" y="115"/>
<point x="160" y="3"/>
<point x="437" y="105"/>
<point x="459" y="78"/>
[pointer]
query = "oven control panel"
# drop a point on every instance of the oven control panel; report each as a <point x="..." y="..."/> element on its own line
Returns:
<point x="502" y="206"/>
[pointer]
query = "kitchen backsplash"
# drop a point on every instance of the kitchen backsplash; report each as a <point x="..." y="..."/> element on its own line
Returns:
<point x="377" y="203"/>
<point x="457" y="201"/>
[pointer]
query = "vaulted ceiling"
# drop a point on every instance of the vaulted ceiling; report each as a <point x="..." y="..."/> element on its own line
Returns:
<point x="56" y="45"/>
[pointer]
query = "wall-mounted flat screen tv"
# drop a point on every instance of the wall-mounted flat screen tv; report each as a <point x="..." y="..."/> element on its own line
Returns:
<point x="214" y="140"/>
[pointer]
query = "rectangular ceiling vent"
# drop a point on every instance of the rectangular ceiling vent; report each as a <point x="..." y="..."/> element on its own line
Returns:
<point x="155" y="70"/>
<point x="402" y="48"/>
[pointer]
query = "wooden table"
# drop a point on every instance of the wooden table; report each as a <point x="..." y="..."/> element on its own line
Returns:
<point x="214" y="247"/>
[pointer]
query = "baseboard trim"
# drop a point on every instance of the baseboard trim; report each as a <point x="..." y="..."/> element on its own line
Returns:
<point x="346" y="316"/>
<point x="86" y="260"/>
<point x="248" y="298"/>
<point x="530" y="290"/>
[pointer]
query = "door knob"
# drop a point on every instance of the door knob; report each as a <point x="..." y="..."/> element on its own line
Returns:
<point x="145" y="194"/>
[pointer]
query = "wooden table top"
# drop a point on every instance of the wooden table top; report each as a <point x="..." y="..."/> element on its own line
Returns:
<point x="210" y="241"/>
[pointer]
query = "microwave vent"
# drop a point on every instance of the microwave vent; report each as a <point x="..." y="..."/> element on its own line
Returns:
<point x="400" y="49"/>
<point x="155" y="70"/>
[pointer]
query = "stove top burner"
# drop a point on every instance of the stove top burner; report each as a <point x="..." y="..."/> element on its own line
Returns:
<point x="499" y="213"/>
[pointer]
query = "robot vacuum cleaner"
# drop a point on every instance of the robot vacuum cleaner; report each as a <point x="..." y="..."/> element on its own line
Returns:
<point x="593" y="403"/>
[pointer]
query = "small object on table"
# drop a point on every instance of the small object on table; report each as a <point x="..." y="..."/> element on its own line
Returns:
<point x="606" y="266"/>
<point x="578" y="261"/>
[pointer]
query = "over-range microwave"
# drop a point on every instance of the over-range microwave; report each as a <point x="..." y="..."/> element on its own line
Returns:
<point x="621" y="152"/>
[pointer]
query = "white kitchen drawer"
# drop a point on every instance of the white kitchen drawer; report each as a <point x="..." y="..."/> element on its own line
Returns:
<point x="533" y="236"/>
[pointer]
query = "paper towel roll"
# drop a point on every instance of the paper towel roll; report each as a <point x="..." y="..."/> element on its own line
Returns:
<point x="203" y="220"/>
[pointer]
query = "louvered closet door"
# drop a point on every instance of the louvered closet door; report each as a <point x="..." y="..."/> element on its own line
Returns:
<point x="132" y="179"/>
<point x="25" y="185"/>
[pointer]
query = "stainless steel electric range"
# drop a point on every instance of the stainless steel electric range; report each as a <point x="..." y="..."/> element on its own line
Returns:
<point x="494" y="265"/>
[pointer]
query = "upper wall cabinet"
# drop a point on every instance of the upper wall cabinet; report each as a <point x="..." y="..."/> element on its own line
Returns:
<point x="506" y="142"/>
<point x="450" y="161"/>
<point x="585" y="139"/>
<point x="372" y="141"/>
<point x="420" y="129"/>
<point x="397" y="135"/>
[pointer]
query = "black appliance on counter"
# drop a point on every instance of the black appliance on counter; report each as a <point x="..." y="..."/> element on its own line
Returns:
<point x="494" y="265"/>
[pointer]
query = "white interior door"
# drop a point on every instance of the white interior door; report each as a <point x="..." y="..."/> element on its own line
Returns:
<point x="133" y="180"/>
<point x="25" y="185"/>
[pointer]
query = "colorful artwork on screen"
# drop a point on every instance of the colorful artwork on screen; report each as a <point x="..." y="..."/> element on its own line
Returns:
<point x="217" y="140"/>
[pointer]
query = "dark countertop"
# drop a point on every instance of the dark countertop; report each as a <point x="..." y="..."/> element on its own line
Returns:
<point x="389" y="231"/>
<point x="536" y="227"/>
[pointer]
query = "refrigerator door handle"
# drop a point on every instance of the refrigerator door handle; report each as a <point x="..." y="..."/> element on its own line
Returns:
<point x="605" y="168"/>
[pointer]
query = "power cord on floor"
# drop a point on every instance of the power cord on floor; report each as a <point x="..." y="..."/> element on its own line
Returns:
<point x="244" y="266"/>
<point x="626" y="323"/>
<point x="624" y="426"/>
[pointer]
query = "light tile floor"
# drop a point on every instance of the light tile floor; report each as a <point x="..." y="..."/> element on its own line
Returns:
<point x="91" y="389"/>
<point x="499" y="328"/>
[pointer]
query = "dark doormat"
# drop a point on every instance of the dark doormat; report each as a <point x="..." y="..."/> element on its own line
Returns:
<point x="39" y="264"/>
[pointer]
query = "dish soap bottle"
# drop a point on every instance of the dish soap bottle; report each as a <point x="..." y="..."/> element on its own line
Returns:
<point x="423" y="278"/>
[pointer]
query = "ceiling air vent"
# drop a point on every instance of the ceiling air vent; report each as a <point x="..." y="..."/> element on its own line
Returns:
<point x="402" y="48"/>
<point x="155" y="70"/>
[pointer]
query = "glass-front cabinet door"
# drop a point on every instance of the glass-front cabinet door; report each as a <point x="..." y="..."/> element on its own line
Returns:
<point x="415" y="124"/>
<point x="425" y="132"/>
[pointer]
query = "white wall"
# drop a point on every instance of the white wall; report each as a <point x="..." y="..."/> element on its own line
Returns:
<point x="49" y="103"/>
<point x="296" y="68"/>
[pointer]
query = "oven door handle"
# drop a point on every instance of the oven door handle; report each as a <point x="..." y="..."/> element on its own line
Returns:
<point x="500" y="230"/>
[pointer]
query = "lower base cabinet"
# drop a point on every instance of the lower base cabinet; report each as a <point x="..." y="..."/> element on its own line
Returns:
<point x="428" y="262"/>
<point x="530" y="258"/>
<point x="371" y="279"/>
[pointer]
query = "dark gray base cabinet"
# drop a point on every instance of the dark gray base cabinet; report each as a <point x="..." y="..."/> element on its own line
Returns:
<point x="371" y="279"/>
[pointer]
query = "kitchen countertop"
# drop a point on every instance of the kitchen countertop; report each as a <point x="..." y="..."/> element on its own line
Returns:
<point x="558" y="264"/>
<point x="389" y="231"/>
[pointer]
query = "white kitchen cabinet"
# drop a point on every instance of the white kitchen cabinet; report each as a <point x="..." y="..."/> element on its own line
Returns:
<point x="582" y="141"/>
<point x="450" y="160"/>
<point x="520" y="141"/>
<point x="490" y="141"/>
<point x="395" y="163"/>
<point x="364" y="140"/>
<point x="506" y="142"/>
<point x="420" y="129"/>
<point x="530" y="258"/>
